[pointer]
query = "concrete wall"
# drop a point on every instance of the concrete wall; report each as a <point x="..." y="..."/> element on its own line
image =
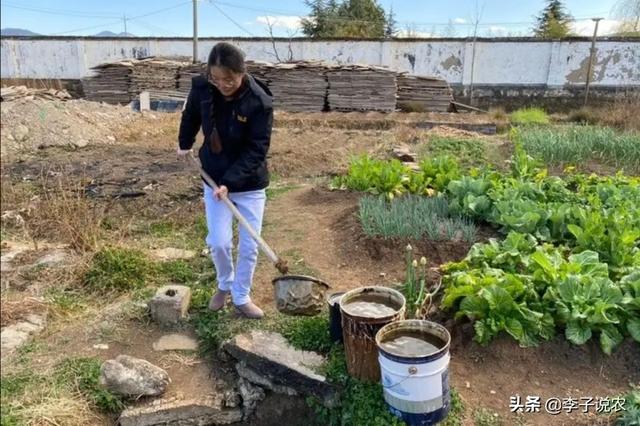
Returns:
<point x="512" y="62"/>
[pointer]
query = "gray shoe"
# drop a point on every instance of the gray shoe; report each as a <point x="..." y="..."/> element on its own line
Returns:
<point x="250" y="310"/>
<point x="218" y="300"/>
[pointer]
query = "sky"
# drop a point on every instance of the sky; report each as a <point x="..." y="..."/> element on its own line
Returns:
<point x="246" y="18"/>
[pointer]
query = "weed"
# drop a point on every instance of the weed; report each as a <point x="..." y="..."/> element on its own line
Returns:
<point x="631" y="414"/>
<point x="485" y="417"/>
<point x="361" y="403"/>
<point x="298" y="266"/>
<point x="161" y="229"/>
<point x="468" y="151"/>
<point x="117" y="269"/>
<point x="178" y="271"/>
<point x="456" y="410"/>
<point x="310" y="334"/>
<point x="66" y="301"/>
<point x="529" y="116"/>
<point x="83" y="374"/>
<point x="275" y="191"/>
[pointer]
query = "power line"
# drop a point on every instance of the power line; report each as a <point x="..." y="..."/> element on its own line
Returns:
<point x="161" y="10"/>
<point x="231" y="19"/>
<point x="69" y="13"/>
<point x="88" y="28"/>
<point x="127" y="19"/>
<point x="155" y="28"/>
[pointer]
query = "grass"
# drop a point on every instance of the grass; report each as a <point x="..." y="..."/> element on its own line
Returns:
<point x="576" y="144"/>
<point x="529" y="116"/>
<point x="83" y="374"/>
<point x="118" y="269"/>
<point x="275" y="191"/>
<point x="622" y="114"/>
<point x="67" y="395"/>
<point x="468" y="151"/>
<point x="413" y="217"/>
<point x="486" y="417"/>
<point x="297" y="264"/>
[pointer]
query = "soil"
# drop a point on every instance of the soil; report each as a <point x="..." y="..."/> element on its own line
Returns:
<point x="317" y="231"/>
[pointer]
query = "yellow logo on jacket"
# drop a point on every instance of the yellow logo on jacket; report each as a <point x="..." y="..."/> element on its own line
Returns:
<point x="241" y="118"/>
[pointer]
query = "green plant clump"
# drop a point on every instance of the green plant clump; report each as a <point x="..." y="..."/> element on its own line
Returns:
<point x="84" y="373"/>
<point x="117" y="269"/>
<point x="414" y="217"/>
<point x="529" y="116"/>
<point x="576" y="144"/>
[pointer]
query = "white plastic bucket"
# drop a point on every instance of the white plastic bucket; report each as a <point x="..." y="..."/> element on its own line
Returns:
<point x="416" y="388"/>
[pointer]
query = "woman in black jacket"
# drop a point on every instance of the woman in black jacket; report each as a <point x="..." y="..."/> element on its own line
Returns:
<point x="235" y="113"/>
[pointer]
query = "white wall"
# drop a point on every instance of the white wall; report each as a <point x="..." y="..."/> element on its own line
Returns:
<point x="497" y="62"/>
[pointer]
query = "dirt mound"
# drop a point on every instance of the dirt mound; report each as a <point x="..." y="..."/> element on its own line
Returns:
<point x="29" y="124"/>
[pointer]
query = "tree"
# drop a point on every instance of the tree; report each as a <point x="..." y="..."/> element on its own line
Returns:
<point x="628" y="11"/>
<point x="351" y="18"/>
<point x="553" y="22"/>
<point x="390" y="28"/>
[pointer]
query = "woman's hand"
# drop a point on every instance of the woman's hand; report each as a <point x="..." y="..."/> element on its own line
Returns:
<point x="183" y="153"/>
<point x="221" y="192"/>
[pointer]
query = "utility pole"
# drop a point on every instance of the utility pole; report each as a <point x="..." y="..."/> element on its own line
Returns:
<point x="195" y="31"/>
<point x="124" y="20"/>
<point x="591" y="56"/>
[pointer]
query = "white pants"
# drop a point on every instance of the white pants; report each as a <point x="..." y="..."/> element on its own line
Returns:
<point x="220" y="240"/>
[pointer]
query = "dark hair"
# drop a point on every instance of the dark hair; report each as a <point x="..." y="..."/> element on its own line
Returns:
<point x="228" y="56"/>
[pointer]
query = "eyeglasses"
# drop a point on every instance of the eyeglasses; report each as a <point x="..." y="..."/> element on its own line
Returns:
<point x="228" y="82"/>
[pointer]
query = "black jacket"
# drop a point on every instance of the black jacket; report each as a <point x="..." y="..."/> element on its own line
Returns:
<point x="244" y="125"/>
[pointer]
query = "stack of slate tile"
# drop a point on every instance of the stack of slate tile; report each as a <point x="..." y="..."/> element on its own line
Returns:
<point x="425" y="93"/>
<point x="296" y="87"/>
<point x="158" y="76"/>
<point x="361" y="88"/>
<point x="110" y="83"/>
<point x="186" y="74"/>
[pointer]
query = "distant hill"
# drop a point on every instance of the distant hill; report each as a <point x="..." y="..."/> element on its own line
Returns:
<point x="16" y="32"/>
<point x="112" y="34"/>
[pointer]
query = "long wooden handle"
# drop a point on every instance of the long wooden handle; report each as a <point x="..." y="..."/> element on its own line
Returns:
<point x="281" y="265"/>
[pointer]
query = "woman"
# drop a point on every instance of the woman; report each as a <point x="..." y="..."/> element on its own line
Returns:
<point x="236" y="114"/>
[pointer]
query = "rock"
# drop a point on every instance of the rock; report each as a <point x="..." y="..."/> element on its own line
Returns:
<point x="175" y="342"/>
<point x="111" y="138"/>
<point x="271" y="356"/>
<point x="205" y="252"/>
<point x="57" y="257"/>
<point x="171" y="253"/>
<point x="251" y="396"/>
<point x="232" y="399"/>
<point x="135" y="377"/>
<point x="403" y="153"/>
<point x="101" y="346"/>
<point x="170" y="304"/>
<point x="13" y="217"/>
<point x="194" y="412"/>
<point x="15" y="335"/>
<point x="21" y="132"/>
<point x="80" y="143"/>
<point x="255" y="378"/>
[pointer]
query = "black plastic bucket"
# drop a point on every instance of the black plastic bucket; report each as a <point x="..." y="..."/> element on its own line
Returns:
<point x="335" y="317"/>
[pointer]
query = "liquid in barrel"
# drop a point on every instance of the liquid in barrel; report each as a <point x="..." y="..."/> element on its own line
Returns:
<point x="371" y="306"/>
<point x="412" y="343"/>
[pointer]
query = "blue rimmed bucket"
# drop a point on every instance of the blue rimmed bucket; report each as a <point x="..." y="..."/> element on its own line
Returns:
<point x="416" y="385"/>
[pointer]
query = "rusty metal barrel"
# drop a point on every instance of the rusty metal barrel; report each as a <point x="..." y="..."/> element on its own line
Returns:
<point x="365" y="311"/>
